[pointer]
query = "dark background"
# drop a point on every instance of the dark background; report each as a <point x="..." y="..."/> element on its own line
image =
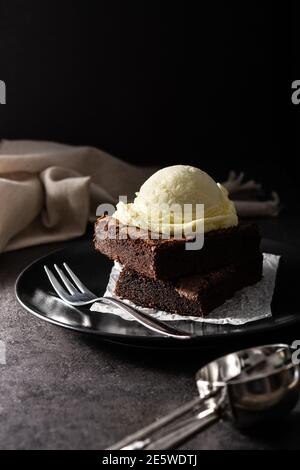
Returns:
<point x="156" y="82"/>
<point x="151" y="82"/>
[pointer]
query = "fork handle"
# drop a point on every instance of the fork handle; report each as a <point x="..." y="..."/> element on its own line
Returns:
<point x="148" y="321"/>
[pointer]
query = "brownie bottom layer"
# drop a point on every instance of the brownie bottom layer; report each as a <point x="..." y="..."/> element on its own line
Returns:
<point x="195" y="295"/>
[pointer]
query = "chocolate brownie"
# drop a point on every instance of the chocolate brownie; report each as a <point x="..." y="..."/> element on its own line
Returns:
<point x="168" y="259"/>
<point x="195" y="295"/>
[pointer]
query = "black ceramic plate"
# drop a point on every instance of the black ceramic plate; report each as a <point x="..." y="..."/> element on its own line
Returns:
<point x="36" y="295"/>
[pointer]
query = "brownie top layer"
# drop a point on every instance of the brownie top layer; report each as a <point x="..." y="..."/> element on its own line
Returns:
<point x="168" y="258"/>
<point x="107" y="226"/>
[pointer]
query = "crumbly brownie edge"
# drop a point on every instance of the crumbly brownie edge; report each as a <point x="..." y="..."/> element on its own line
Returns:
<point x="166" y="295"/>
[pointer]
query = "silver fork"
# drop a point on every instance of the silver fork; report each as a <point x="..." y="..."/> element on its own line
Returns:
<point x="78" y="294"/>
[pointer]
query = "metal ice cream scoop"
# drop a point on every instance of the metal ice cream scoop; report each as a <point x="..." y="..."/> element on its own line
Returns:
<point x="248" y="387"/>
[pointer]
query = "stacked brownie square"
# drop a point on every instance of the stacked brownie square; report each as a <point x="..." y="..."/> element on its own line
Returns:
<point x="162" y="274"/>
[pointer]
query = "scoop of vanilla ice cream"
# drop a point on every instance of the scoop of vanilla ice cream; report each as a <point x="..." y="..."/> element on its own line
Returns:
<point x="178" y="185"/>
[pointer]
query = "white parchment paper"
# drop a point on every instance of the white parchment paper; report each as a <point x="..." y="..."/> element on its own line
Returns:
<point x="249" y="304"/>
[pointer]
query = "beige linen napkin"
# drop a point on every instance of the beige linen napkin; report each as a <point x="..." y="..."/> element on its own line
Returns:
<point x="49" y="191"/>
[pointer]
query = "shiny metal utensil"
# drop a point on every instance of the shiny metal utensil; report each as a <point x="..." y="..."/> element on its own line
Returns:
<point x="78" y="294"/>
<point x="248" y="387"/>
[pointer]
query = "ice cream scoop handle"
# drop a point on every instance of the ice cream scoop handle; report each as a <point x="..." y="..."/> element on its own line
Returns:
<point x="205" y="418"/>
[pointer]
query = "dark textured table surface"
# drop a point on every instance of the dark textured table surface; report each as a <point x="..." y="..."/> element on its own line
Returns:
<point x="60" y="390"/>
